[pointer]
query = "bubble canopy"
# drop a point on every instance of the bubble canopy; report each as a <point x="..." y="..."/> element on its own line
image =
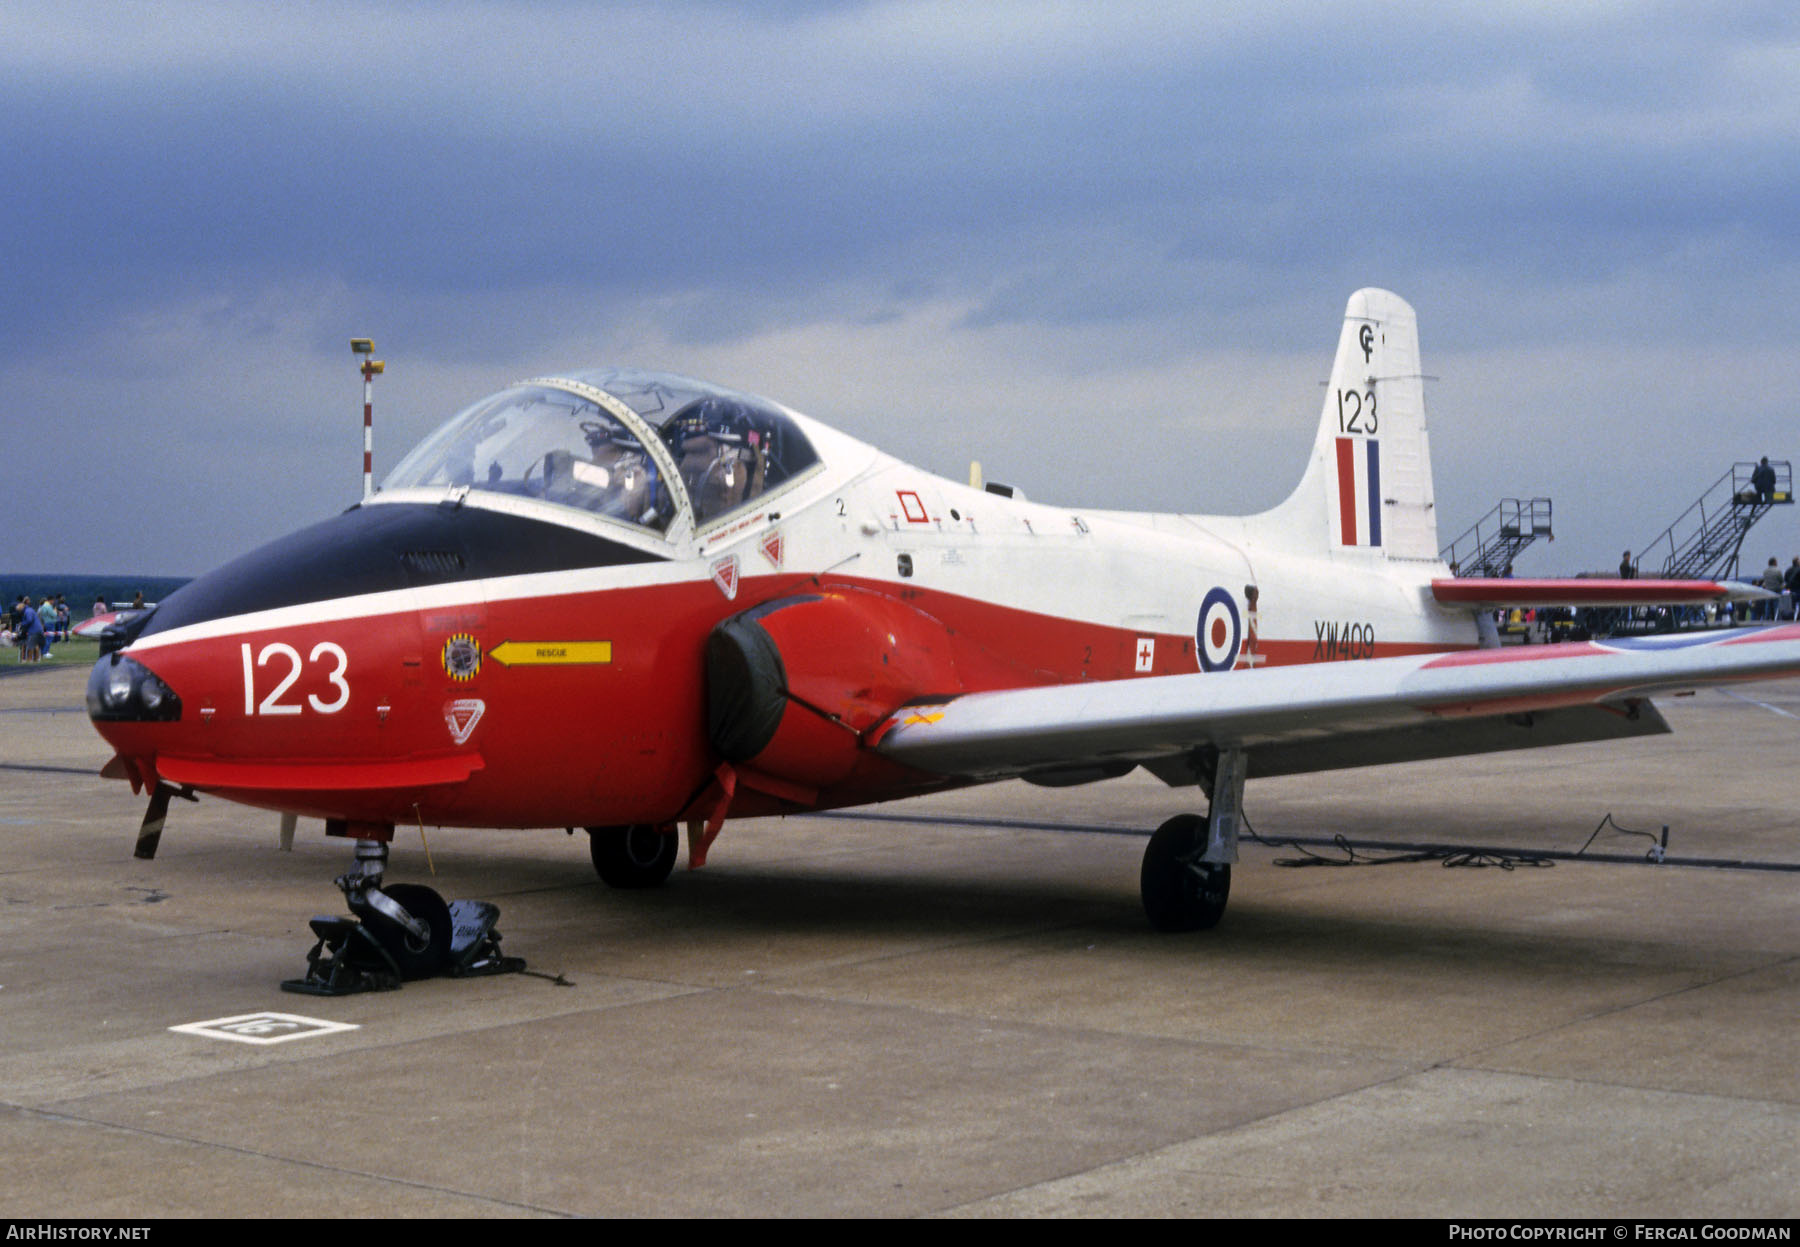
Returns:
<point x="637" y="447"/>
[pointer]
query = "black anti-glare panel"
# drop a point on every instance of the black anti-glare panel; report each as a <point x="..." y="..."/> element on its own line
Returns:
<point x="378" y="548"/>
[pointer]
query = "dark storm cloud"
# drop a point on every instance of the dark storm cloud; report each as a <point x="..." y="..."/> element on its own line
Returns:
<point x="635" y="156"/>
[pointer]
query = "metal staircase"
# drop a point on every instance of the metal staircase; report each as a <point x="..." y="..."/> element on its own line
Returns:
<point x="1495" y="540"/>
<point x="1703" y="543"/>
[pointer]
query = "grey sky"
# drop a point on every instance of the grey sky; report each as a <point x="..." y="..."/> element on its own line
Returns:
<point x="1104" y="249"/>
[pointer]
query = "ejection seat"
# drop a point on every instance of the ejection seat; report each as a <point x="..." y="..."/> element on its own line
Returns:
<point x="719" y="473"/>
<point x="614" y="482"/>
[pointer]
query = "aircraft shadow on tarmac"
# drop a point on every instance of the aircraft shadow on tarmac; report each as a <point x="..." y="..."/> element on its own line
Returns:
<point x="727" y="905"/>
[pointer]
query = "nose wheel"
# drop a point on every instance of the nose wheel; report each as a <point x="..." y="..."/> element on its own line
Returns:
<point x="398" y="934"/>
<point x="416" y="955"/>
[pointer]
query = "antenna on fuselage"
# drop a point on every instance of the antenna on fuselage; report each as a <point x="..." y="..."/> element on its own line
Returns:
<point x="371" y="368"/>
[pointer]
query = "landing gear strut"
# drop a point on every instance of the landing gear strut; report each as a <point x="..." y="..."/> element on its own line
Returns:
<point x="1186" y="876"/>
<point x="405" y="932"/>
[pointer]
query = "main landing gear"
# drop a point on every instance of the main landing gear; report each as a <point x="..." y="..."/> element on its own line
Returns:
<point x="405" y="932"/>
<point x="639" y="856"/>
<point x="1186" y="876"/>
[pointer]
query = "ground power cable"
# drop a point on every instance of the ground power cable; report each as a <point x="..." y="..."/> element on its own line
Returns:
<point x="1447" y="855"/>
<point x="1478" y="855"/>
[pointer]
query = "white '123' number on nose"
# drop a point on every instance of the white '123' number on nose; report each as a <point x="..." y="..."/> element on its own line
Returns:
<point x="272" y="703"/>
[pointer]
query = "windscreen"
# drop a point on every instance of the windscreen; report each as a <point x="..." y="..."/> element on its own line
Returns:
<point x="538" y="442"/>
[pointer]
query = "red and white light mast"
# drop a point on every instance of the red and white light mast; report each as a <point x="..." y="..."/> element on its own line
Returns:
<point x="371" y="368"/>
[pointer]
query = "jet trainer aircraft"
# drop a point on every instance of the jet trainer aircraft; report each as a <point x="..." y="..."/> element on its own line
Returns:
<point x="633" y="602"/>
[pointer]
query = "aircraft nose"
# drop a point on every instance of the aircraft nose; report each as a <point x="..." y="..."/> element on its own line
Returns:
<point x="312" y="647"/>
<point x="121" y="689"/>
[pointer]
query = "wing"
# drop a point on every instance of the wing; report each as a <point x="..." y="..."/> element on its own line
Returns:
<point x="1319" y="717"/>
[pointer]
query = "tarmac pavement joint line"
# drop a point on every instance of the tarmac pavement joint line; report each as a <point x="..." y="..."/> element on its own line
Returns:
<point x="1469" y="1059"/>
<point x="65" y="1118"/>
<point x="1127" y="1186"/>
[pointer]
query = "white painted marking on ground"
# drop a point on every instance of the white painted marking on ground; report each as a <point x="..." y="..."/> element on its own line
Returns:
<point x="1786" y="714"/>
<point x="264" y="1028"/>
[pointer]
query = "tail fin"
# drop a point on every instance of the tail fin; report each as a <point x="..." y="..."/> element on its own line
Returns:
<point x="1367" y="487"/>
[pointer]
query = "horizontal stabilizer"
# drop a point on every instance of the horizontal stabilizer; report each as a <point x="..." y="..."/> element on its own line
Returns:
<point x="1497" y="594"/>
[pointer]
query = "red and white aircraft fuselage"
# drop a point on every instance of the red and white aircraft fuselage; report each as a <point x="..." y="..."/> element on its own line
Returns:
<point x="627" y="600"/>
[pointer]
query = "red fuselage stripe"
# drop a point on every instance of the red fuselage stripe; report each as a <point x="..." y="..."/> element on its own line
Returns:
<point x="617" y="738"/>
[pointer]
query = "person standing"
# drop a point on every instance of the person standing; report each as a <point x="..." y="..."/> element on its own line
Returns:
<point x="1773" y="581"/>
<point x="31" y="632"/>
<point x="1762" y="480"/>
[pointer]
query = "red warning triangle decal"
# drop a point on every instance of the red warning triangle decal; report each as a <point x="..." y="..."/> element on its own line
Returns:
<point x="771" y="547"/>
<point x="725" y="575"/>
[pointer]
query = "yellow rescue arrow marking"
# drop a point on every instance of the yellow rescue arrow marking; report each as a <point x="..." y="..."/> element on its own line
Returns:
<point x="550" y="653"/>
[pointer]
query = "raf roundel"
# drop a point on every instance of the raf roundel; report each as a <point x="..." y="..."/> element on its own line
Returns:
<point x="1218" y="633"/>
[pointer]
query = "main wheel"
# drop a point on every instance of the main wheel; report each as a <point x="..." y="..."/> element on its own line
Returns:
<point x="638" y="856"/>
<point x="417" y="959"/>
<point x="1182" y="893"/>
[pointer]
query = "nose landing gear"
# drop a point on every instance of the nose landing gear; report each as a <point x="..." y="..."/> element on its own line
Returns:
<point x="398" y="934"/>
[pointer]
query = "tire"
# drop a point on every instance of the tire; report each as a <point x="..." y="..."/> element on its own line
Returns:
<point x="638" y="856"/>
<point x="1180" y="892"/>
<point x="416" y="960"/>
